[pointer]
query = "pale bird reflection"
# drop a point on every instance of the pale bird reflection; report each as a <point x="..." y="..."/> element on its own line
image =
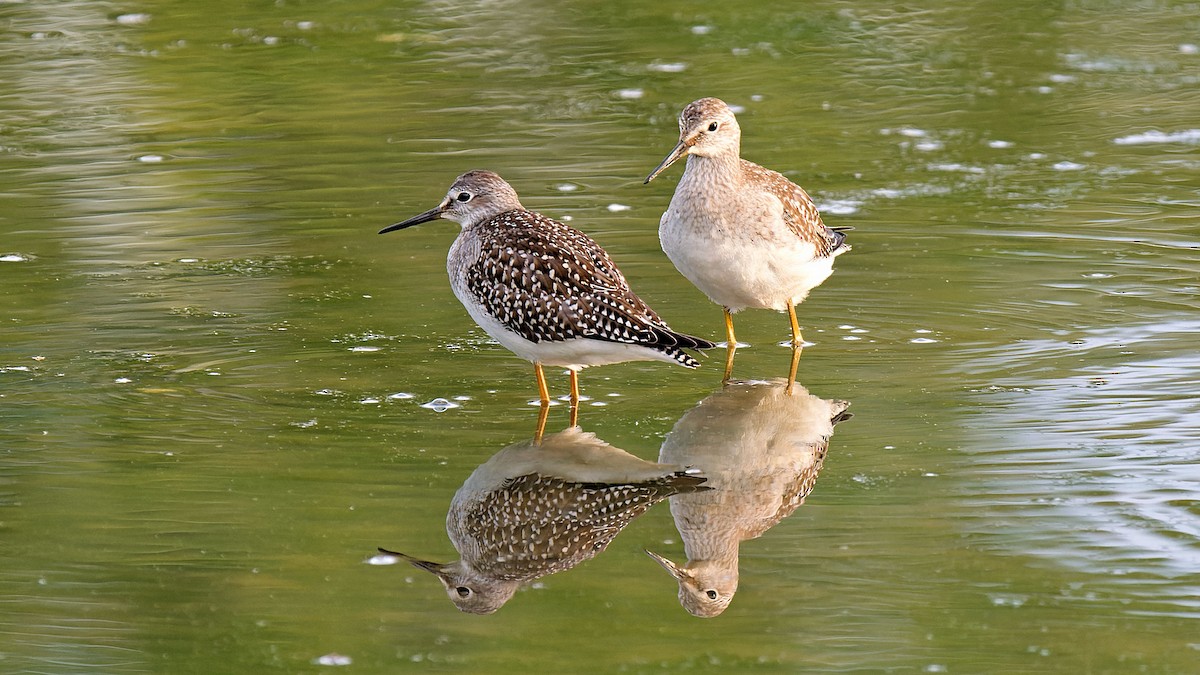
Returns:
<point x="536" y="508"/>
<point x="761" y="449"/>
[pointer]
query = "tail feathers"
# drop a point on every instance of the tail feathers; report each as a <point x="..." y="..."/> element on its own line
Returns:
<point x="691" y="341"/>
<point x="674" y="343"/>
<point x="681" y="357"/>
<point x="688" y="481"/>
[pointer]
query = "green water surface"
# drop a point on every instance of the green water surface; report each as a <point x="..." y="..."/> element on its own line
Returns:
<point x="213" y="371"/>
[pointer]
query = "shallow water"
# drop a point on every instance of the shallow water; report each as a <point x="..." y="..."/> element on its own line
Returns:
<point x="215" y="376"/>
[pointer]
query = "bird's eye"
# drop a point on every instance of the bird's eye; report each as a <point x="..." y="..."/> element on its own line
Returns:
<point x="464" y="197"/>
<point x="713" y="126"/>
<point x="712" y="595"/>
<point x="462" y="591"/>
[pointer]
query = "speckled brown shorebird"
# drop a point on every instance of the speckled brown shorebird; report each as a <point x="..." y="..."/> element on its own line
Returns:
<point x="762" y="445"/>
<point x="544" y="290"/>
<point x="744" y="235"/>
<point x="537" y="508"/>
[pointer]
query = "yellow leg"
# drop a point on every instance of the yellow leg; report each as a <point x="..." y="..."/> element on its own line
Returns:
<point x="543" y="392"/>
<point x="729" y="351"/>
<point x="543" y="415"/>
<point x="574" y="397"/>
<point x="792" y="371"/>
<point x="730" y="346"/>
<point x="797" y="338"/>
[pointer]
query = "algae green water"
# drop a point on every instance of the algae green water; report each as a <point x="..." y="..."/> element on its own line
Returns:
<point x="214" y="375"/>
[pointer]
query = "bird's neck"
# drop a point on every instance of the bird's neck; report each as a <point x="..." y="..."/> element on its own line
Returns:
<point x="715" y="172"/>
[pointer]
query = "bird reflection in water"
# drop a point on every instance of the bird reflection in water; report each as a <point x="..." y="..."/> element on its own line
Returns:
<point x="536" y="508"/>
<point x="761" y="445"/>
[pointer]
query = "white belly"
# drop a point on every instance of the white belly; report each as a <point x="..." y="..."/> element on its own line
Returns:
<point x="739" y="271"/>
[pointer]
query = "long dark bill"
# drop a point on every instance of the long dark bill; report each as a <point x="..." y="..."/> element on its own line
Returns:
<point x="426" y="565"/>
<point x="679" y="151"/>
<point x="431" y="214"/>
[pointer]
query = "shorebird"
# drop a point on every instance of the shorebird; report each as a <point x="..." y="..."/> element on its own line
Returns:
<point x="762" y="446"/>
<point x="744" y="235"/>
<point x="537" y="508"/>
<point x="544" y="290"/>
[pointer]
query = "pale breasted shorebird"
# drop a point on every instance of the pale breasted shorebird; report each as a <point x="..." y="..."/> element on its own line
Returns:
<point x="544" y="290"/>
<point x="536" y="508"/>
<point x="744" y="235"/>
<point x="761" y="447"/>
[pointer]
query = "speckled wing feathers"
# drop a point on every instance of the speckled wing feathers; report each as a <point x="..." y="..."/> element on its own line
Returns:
<point x="799" y="212"/>
<point x="546" y="281"/>
<point x="535" y="525"/>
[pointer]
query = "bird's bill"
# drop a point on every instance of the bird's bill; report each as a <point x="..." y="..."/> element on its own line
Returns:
<point x="676" y="571"/>
<point x="680" y="150"/>
<point x="432" y="214"/>
<point x="426" y="565"/>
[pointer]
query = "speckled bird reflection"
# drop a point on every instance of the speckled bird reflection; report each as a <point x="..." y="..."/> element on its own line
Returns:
<point x="536" y="508"/>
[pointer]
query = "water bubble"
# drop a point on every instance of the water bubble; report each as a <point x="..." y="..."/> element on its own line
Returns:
<point x="150" y="159"/>
<point x="440" y="405"/>
<point x="999" y="145"/>
<point x="615" y="208"/>
<point x="840" y="207"/>
<point x="1067" y="166"/>
<point x="400" y="396"/>
<point x="566" y="187"/>
<point x="334" y="659"/>
<point x="701" y="30"/>
<point x="1007" y="599"/>
<point x="133" y="19"/>
<point x="668" y="67"/>
<point x="1189" y="48"/>
<point x="1187" y="136"/>
<point x="382" y="559"/>
<point x="306" y="424"/>
<point x="13" y="257"/>
<point x="368" y="400"/>
<point x="922" y="341"/>
<point x="362" y="348"/>
<point x="630" y="94"/>
<point x="119" y="380"/>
